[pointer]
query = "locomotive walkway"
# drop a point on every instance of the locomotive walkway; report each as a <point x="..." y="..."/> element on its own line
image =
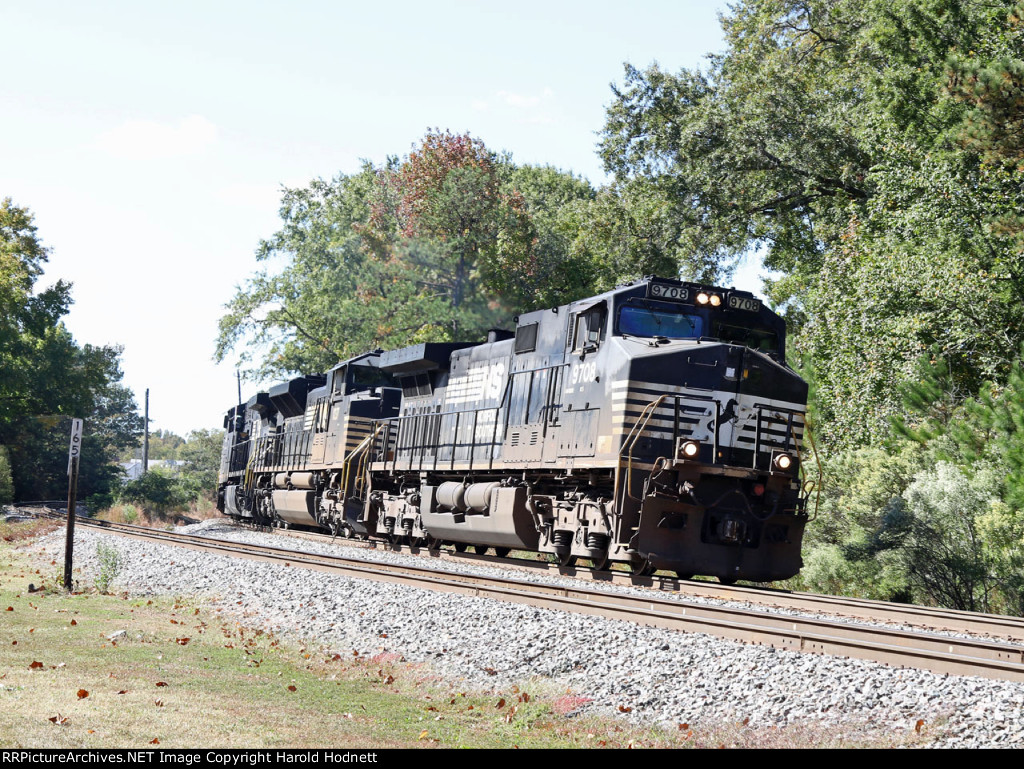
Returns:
<point x="916" y="647"/>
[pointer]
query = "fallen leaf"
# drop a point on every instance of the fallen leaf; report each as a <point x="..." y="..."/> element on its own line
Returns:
<point x="683" y="727"/>
<point x="35" y="665"/>
<point x="625" y="709"/>
<point x="74" y="622"/>
<point x="154" y="741"/>
<point x="58" y="719"/>
<point x="161" y="683"/>
<point x="918" y="725"/>
<point x="159" y="703"/>
<point x="423" y="734"/>
<point x="291" y="688"/>
<point x="182" y="641"/>
<point x="501" y="703"/>
<point x="82" y="694"/>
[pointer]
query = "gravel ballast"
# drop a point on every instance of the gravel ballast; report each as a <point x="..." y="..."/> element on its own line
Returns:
<point x="653" y="675"/>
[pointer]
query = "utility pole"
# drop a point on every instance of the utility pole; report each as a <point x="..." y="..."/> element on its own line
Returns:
<point x="145" y="442"/>
<point x="69" y="542"/>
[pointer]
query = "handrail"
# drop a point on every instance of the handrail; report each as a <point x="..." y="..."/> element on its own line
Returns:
<point x="634" y="435"/>
<point x="362" y="451"/>
<point x="461" y="420"/>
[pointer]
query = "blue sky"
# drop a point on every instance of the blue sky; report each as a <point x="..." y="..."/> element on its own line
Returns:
<point x="151" y="140"/>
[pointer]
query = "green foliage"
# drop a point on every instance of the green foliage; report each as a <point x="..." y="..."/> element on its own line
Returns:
<point x="163" y="444"/>
<point x="945" y="556"/>
<point x="852" y="546"/>
<point x="110" y="561"/>
<point x="201" y="457"/>
<point x="161" y="491"/>
<point x="6" y="483"/>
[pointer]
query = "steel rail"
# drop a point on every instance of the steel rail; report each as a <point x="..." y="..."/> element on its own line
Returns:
<point x="900" y="648"/>
<point x="928" y="618"/>
<point x="931" y="618"/>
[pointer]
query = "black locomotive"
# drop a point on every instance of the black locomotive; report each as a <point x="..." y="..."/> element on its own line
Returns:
<point x="655" y="425"/>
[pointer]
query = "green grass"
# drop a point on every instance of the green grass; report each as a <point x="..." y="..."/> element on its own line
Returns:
<point x="182" y="674"/>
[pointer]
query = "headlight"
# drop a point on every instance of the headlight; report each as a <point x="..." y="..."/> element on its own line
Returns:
<point x="703" y="298"/>
<point x="716" y="300"/>
<point x="689" y="449"/>
<point x="783" y="462"/>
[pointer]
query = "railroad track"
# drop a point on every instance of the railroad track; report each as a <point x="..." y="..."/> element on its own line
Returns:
<point x="994" y="626"/>
<point x="918" y="647"/>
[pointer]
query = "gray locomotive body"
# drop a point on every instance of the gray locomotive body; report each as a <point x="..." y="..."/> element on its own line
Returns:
<point x="655" y="425"/>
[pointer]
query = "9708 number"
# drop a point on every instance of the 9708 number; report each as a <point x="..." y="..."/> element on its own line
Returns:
<point x="744" y="303"/>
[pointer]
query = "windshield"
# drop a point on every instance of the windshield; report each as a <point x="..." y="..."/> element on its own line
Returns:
<point x="754" y="338"/>
<point x="367" y="377"/>
<point x="648" y="319"/>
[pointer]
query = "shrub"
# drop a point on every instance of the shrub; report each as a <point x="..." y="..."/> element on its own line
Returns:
<point x="110" y="564"/>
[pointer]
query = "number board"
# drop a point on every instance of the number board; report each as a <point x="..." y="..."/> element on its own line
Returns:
<point x="665" y="291"/>
<point x="749" y="304"/>
<point x="76" y="443"/>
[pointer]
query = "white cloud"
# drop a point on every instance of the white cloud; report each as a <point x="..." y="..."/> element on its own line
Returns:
<point x="149" y="140"/>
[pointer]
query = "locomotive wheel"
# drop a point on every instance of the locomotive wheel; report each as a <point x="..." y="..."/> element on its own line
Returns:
<point x="460" y="547"/>
<point x="480" y="549"/>
<point x="501" y="552"/>
<point x="566" y="559"/>
<point x="727" y="580"/>
<point x="684" y="575"/>
<point x="642" y="567"/>
<point x="602" y="562"/>
<point x="434" y="544"/>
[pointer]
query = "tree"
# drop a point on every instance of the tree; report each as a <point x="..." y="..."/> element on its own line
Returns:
<point x="440" y="245"/>
<point x="869" y="149"/>
<point x="46" y="377"/>
<point x="201" y="455"/>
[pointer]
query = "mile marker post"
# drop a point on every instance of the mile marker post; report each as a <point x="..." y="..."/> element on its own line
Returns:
<point x="73" y="453"/>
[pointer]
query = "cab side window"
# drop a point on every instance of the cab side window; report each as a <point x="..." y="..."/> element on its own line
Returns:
<point x="588" y="329"/>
